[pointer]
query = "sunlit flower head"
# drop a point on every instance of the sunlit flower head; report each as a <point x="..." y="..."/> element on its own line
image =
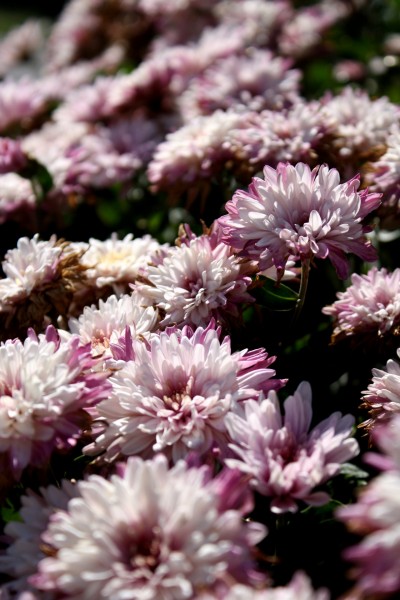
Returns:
<point x="41" y="278"/>
<point x="117" y="263"/>
<point x="104" y="324"/>
<point x="285" y="460"/>
<point x="369" y="307"/>
<point x="174" y="391"/>
<point x="382" y="397"/>
<point x="152" y="533"/>
<point x="256" y="81"/>
<point x="17" y="198"/>
<point x="198" y="280"/>
<point x="300" y="212"/>
<point x="46" y="388"/>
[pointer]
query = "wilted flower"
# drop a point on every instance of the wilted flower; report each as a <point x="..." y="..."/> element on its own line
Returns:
<point x="41" y="278"/>
<point x="285" y="460"/>
<point x="300" y="212"/>
<point x="174" y="392"/>
<point x="46" y="387"/>
<point x="152" y="533"/>
<point x="200" y="279"/>
<point x="369" y="307"/>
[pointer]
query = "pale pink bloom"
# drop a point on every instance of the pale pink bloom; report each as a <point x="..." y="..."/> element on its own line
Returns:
<point x="382" y="398"/>
<point x="21" y="102"/>
<point x="25" y="550"/>
<point x="198" y="150"/>
<point x="197" y="280"/>
<point x="370" y="305"/>
<point x="376" y="516"/>
<point x="174" y="391"/>
<point x="299" y="588"/>
<point x="12" y="157"/>
<point x="384" y="174"/>
<point x="117" y="263"/>
<point x="305" y="29"/>
<point x="290" y="135"/>
<point x="150" y="532"/>
<point x="300" y="212"/>
<point x="284" y="460"/>
<point x="258" y="20"/>
<point x="17" y="198"/>
<point x="46" y="386"/>
<point x="156" y="8"/>
<point x="103" y="325"/>
<point x="358" y="123"/>
<point x="19" y="44"/>
<point x="255" y="81"/>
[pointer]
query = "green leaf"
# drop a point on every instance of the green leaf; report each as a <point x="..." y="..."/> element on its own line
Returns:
<point x="275" y="296"/>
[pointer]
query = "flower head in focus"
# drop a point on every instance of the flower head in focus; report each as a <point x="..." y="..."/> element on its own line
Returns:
<point x="173" y="393"/>
<point x="300" y="212"/>
<point x="285" y="460"/>
<point x="152" y="533"/>
<point x="199" y="279"/>
<point x="369" y="309"/>
<point x="46" y="390"/>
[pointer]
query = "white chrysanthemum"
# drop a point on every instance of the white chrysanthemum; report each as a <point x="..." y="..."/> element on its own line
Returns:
<point x="45" y="387"/>
<point x="370" y="305"/>
<point x="22" y="556"/>
<point x="198" y="280"/>
<point x="174" y="392"/>
<point x="117" y="263"/>
<point x="197" y="150"/>
<point x="357" y="122"/>
<point x="16" y="195"/>
<point x="31" y="264"/>
<point x="100" y="326"/>
<point x="148" y="533"/>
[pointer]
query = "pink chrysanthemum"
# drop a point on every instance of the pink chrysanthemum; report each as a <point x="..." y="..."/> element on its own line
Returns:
<point x="105" y="324"/>
<point x="152" y="533"/>
<point x="376" y="516"/>
<point x="301" y="212"/>
<point x="370" y="306"/>
<point x="256" y="81"/>
<point x="299" y="588"/>
<point x="174" y="392"/>
<point x="285" y="460"/>
<point x="21" y="558"/>
<point x="198" y="280"/>
<point x="46" y="387"/>
<point x="382" y="398"/>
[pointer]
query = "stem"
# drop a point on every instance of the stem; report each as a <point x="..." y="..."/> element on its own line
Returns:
<point x="305" y="272"/>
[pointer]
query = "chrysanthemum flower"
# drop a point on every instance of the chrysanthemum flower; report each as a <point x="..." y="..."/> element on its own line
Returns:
<point x="152" y="533"/>
<point x="382" y="398"/>
<point x="117" y="263"/>
<point x="370" y="306"/>
<point x="21" y="558"/>
<point x="198" y="280"/>
<point x="256" y="81"/>
<point x="17" y="198"/>
<point x="285" y="460"/>
<point x="100" y="326"/>
<point x="174" y="392"/>
<point x="41" y="278"/>
<point x="299" y="588"/>
<point x="46" y="388"/>
<point x="301" y="212"/>
<point x="376" y="516"/>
